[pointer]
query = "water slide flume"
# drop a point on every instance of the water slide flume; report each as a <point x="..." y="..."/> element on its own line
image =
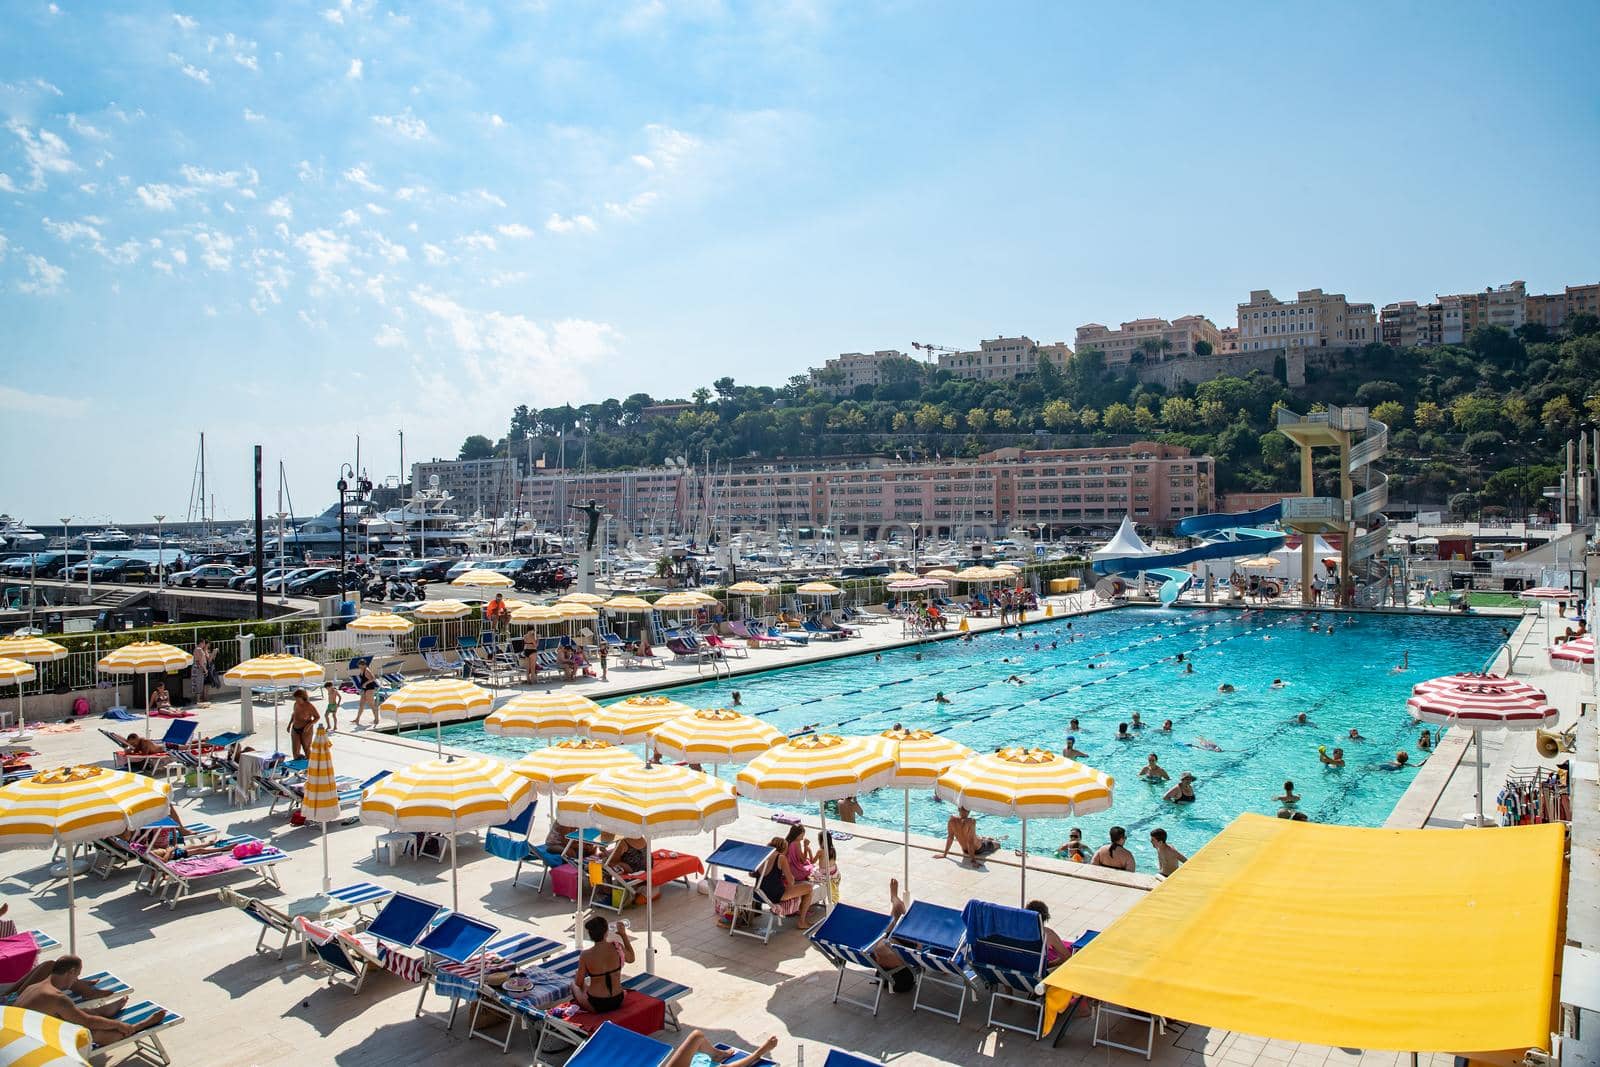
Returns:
<point x="1127" y="554"/>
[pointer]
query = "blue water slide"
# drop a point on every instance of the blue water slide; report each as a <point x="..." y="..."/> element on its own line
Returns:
<point x="1173" y="583"/>
<point x="1200" y="525"/>
<point x="1243" y="542"/>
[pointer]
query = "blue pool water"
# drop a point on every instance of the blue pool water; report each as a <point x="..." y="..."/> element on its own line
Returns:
<point x="1342" y="680"/>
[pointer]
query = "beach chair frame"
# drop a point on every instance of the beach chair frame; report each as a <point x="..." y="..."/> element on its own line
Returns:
<point x="854" y="956"/>
<point x="146" y="1044"/>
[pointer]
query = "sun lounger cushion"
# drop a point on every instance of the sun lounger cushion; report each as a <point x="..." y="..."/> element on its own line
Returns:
<point x="640" y="1013"/>
<point x="18" y="955"/>
<point x="612" y="1046"/>
<point x="204" y="866"/>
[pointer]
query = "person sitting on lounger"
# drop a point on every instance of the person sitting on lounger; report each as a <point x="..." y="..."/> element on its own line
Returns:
<point x="142" y="746"/>
<point x="629" y="856"/>
<point x="169" y="853"/>
<point x="780" y="884"/>
<point x="567" y="660"/>
<point x="901" y="978"/>
<point x="696" y="1050"/>
<point x="962" y="829"/>
<point x="160" y="699"/>
<point x="558" y="837"/>
<point x="1055" y="949"/>
<point x="797" y="850"/>
<point x="48" y="995"/>
<point x="597" y="988"/>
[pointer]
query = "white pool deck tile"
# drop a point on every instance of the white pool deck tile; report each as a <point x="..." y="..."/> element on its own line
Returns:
<point x="244" y="1008"/>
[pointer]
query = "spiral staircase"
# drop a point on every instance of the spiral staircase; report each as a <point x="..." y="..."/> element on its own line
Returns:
<point x="1357" y="517"/>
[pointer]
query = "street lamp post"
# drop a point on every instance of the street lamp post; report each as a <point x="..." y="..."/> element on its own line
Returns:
<point x="344" y="487"/>
<point x="915" y="526"/>
<point x="161" y="554"/>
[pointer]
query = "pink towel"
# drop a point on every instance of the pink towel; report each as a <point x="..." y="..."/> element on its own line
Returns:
<point x="201" y="866"/>
<point x="18" y="954"/>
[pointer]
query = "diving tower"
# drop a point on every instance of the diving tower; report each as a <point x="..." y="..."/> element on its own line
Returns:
<point x="1357" y="517"/>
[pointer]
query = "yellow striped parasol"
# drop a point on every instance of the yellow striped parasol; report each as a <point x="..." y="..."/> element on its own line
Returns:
<point x="977" y="574"/>
<point x="901" y="576"/>
<point x="442" y="609"/>
<point x="556" y="714"/>
<point x="628" y="605"/>
<point x="482" y="579"/>
<point x="652" y="803"/>
<point x="571" y="612"/>
<point x="816" y="768"/>
<point x="748" y="589"/>
<point x="536" y="615"/>
<point x="31" y="649"/>
<point x="630" y="721"/>
<point x="382" y="622"/>
<point x="1010" y="569"/>
<point x="678" y="602"/>
<point x="940" y="572"/>
<point x="436" y="701"/>
<point x="920" y="757"/>
<point x="275" y="671"/>
<point x="715" y="735"/>
<point x="34" y="1039"/>
<point x="1026" y="783"/>
<point x="15" y="672"/>
<point x="564" y="764"/>
<point x="320" y="802"/>
<point x="594" y="600"/>
<point x="75" y="805"/>
<point x="818" y="589"/>
<point x="145" y="657"/>
<point x="447" y="796"/>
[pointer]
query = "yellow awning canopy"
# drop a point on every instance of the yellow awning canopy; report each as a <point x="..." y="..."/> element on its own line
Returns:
<point x="1402" y="940"/>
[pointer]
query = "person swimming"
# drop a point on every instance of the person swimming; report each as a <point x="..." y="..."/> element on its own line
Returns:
<point x="1188" y="668"/>
<point x="1122" y="732"/>
<point x="1404" y="664"/>
<point x="1278" y="683"/>
<point x="1071" y="750"/>
<point x="940" y="698"/>
<point x="1206" y="743"/>
<point x="1166" y="727"/>
<point x="1301" y="720"/>
<point x="1355" y="735"/>
<point x="1183" y="792"/>
<point x="1015" y="680"/>
<point x="1289" y="798"/>
<point x="1335" y="759"/>
<point x="1137" y="723"/>
<point x="1225" y="687"/>
<point x="1399" y="762"/>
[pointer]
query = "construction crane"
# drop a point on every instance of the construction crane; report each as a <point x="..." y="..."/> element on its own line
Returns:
<point x="931" y="349"/>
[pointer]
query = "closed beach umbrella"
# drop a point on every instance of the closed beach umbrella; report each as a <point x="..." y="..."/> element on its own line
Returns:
<point x="1026" y="783"/>
<point x="447" y="796"/>
<point x="556" y="714"/>
<point x="72" y="806"/>
<point x="443" y="609"/>
<point x="1574" y="655"/>
<point x="321" y="801"/>
<point x="652" y="803"/>
<point x="436" y="701"/>
<point x="818" y="589"/>
<point x="1481" y="702"/>
<point x="480" y="578"/>
<point x="629" y="605"/>
<point x="146" y="658"/>
<point x="715" y="736"/>
<point x="920" y="757"/>
<point x="275" y="671"/>
<point x="815" y="769"/>
<point x="631" y="721"/>
<point x="382" y="622"/>
<point x="33" y="650"/>
<point x="15" y="672"/>
<point x="34" y="1039"/>
<point x="592" y="599"/>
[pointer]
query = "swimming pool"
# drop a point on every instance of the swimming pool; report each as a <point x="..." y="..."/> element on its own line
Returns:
<point x="1342" y="679"/>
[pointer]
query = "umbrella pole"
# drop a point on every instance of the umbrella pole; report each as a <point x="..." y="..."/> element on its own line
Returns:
<point x="1477" y="740"/>
<point x="72" y="900"/>
<point x="147" y="705"/>
<point x="327" y="882"/>
<point x="438" y="737"/>
<point x="577" y="897"/>
<point x="827" y="897"/>
<point x="649" y="906"/>
<point x="455" y="890"/>
<point x="1024" y="896"/>
<point x="905" y="867"/>
<point x="274" y="719"/>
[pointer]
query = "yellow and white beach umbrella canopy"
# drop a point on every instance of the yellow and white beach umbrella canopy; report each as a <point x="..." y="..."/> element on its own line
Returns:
<point x="630" y="721"/>
<point x="1026" y="783"/>
<point x="594" y="600"/>
<point x="145" y="657"/>
<point x="444" y="795"/>
<point x="443" y="609"/>
<point x="564" y="764"/>
<point x="1006" y="568"/>
<point x="31" y="649"/>
<point x="715" y="735"/>
<point x="571" y="612"/>
<point x="481" y="578"/>
<point x="901" y="576"/>
<point x="818" y="589"/>
<point x="920" y="756"/>
<point x="977" y="574"/>
<point x="436" y="700"/>
<point x="748" y="589"/>
<point x="556" y="714"/>
<point x="34" y="1039"/>
<point x="678" y="602"/>
<point x="74" y="805"/>
<point x="275" y="670"/>
<point x="382" y="622"/>
<point x="15" y="672"/>
<point x="816" y="768"/>
<point x="649" y="802"/>
<point x="628" y="605"/>
<point x="940" y="572"/>
<point x="321" y="803"/>
<point x="536" y="615"/>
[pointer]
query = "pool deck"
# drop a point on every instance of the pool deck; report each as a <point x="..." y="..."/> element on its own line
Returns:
<point x="244" y="1008"/>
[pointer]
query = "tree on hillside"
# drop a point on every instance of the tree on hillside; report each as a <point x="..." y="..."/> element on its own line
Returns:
<point x="1560" y="418"/>
<point x="1203" y="348"/>
<point x="1004" y="419"/>
<point x="1059" y="416"/>
<point x="978" y="420"/>
<point x="1428" y="416"/>
<point x="476" y="447"/>
<point x="701" y="397"/>
<point x="1390" y="413"/>
<point x="1180" y="413"/>
<point x="1118" y="418"/>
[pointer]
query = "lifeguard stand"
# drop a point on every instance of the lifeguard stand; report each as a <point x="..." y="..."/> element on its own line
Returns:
<point x="1356" y="517"/>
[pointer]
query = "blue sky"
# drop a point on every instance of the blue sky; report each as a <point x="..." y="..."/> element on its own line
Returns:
<point x="291" y="224"/>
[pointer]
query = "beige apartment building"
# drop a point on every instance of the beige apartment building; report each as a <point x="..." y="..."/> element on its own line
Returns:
<point x="1149" y="340"/>
<point x="1005" y="357"/>
<point x="1313" y="319"/>
<point x="1451" y="319"/>
<point x="1551" y="310"/>
<point x="843" y="374"/>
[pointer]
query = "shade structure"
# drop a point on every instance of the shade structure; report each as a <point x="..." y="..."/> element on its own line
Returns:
<point x="275" y="671"/>
<point x="678" y="602"/>
<point x="1549" y="592"/>
<point x="31" y="649"/>
<point x="715" y="736"/>
<point x="900" y="576"/>
<point x="628" y="605"/>
<point x="72" y="806"/>
<point x="1007" y="568"/>
<point x="146" y="658"/>
<point x="382" y="622"/>
<point x="447" y="796"/>
<point x="443" y="609"/>
<point x="555" y="714"/>
<point x="977" y="574"/>
<point x="818" y="589"/>
<point x="631" y="721"/>
<point x="564" y="764"/>
<point x="15" y="672"/>
<point x="591" y="599"/>
<point x="436" y="701"/>
<point x="748" y="589"/>
<point x="1239" y="938"/>
<point x="1574" y="655"/>
<point x="940" y="572"/>
<point x="1026" y="783"/>
<point x="34" y="1039"/>
<point x="536" y="615"/>
<point x="916" y="585"/>
<point x="920" y="757"/>
<point x="1257" y="563"/>
<point x="480" y="578"/>
<point x="572" y="612"/>
<point x="321" y="799"/>
<point x="1481" y="702"/>
<point x="652" y="803"/>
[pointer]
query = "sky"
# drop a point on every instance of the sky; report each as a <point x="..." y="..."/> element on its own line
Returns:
<point x="295" y="225"/>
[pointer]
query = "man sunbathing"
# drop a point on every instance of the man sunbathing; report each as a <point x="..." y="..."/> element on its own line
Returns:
<point x="696" y="1050"/>
<point x="962" y="829"/>
<point x="135" y="745"/>
<point x="48" y="995"/>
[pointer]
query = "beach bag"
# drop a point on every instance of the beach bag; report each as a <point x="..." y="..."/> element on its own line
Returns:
<point x="80" y="707"/>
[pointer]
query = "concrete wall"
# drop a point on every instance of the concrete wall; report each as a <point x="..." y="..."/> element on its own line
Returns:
<point x="1192" y="370"/>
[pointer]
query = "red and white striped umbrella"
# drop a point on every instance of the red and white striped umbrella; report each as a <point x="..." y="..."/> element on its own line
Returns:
<point x="1481" y="702"/>
<point x="1548" y="592"/>
<point x="1574" y="655"/>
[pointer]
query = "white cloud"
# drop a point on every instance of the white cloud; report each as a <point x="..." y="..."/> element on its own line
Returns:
<point x="325" y="251"/>
<point x="389" y="336"/>
<point x="3" y="244"/>
<point x="349" y="217"/>
<point x="486" y="197"/>
<point x="497" y="122"/>
<point x="189" y="70"/>
<point x="45" y="152"/>
<point x="354" y="71"/>
<point x="159" y="196"/>
<point x="516" y="230"/>
<point x="500" y="279"/>
<point x="6" y="184"/>
<point x="645" y="161"/>
<point x="357" y="175"/>
<point x="307" y="173"/>
<point x="435" y="255"/>
<point x="634" y="206"/>
<point x="185" y="23"/>
<point x="254" y="116"/>
<point x="334" y="15"/>
<point x="81" y="230"/>
<point x="44" y="277"/>
<point x="26" y="403"/>
<point x="394" y="253"/>
<point x="479" y="242"/>
<point x="217" y="179"/>
<point x="216" y="249"/>
<point x="410" y="192"/>
<point x="83" y="129"/>
<point x="32" y="85"/>
<point x="280" y="209"/>
<point x="669" y="147"/>
<point x="179" y="256"/>
<point x="569" y="223"/>
<point x="405" y="124"/>
<point x="127" y="252"/>
<point x="376" y="209"/>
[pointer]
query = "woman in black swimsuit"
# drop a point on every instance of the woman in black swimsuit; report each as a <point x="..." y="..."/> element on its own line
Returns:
<point x="598" y="985"/>
<point x="369" y="693"/>
<point x="779" y="883"/>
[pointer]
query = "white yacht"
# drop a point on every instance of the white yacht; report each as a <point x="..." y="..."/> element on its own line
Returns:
<point x="15" y="533"/>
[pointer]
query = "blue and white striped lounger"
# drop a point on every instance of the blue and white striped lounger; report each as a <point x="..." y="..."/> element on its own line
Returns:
<point x="846" y="938"/>
<point x="146" y="1043"/>
<point x="933" y="939"/>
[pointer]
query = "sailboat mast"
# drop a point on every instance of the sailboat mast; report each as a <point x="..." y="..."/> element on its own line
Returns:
<point x="205" y="523"/>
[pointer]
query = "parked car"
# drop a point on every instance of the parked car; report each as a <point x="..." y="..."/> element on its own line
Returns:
<point x="79" y="571"/>
<point x="429" y="570"/>
<point x="126" y="569"/>
<point x="40" y="564"/>
<point x="247" y="580"/>
<point x="211" y="574"/>
<point x="389" y="566"/>
<point x="323" y="582"/>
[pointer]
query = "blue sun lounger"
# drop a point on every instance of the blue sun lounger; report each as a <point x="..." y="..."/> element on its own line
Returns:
<point x="146" y="1044"/>
<point x="613" y="1046"/>
<point x="847" y="1059"/>
<point x="933" y="939"/>
<point x="1006" y="952"/>
<point x="846" y="938"/>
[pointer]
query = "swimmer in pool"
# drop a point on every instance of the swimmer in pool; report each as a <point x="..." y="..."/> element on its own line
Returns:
<point x="1289" y="798"/>
<point x="1425" y="741"/>
<point x="1152" y="771"/>
<point x="1166" y="727"/>
<point x="1225" y="687"/>
<point x="1188" y="668"/>
<point x="1137" y="723"/>
<point x="1278" y="683"/>
<point x="1071" y="749"/>
<point x="1301" y="720"/>
<point x="1122" y="732"/>
<point x="1014" y="680"/>
<point x="1336" y="759"/>
<point x="1180" y="657"/>
<point x="1404" y="664"/>
<point x="1206" y="743"/>
<point x="1355" y="735"/>
<point x="1399" y="762"/>
<point x="1073" y="726"/>
<point x="1183" y="792"/>
<point x="940" y="698"/>
<point x="1052" y="646"/>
